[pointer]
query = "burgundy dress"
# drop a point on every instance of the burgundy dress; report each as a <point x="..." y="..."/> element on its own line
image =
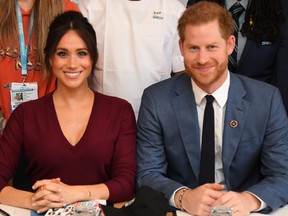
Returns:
<point x="104" y="154"/>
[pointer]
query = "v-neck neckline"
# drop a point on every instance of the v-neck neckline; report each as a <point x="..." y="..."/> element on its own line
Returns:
<point x="59" y="129"/>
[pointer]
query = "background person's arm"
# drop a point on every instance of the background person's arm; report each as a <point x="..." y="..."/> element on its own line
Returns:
<point x="2" y="122"/>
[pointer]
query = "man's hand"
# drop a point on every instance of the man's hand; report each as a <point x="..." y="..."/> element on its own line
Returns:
<point x="241" y="203"/>
<point x="198" y="201"/>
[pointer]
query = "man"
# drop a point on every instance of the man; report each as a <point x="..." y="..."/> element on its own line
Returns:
<point x="137" y="43"/>
<point x="262" y="41"/>
<point x="251" y="127"/>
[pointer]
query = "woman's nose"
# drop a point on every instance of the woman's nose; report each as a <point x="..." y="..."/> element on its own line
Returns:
<point x="72" y="62"/>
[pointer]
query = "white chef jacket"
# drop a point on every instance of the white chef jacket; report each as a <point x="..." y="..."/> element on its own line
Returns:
<point x="137" y="44"/>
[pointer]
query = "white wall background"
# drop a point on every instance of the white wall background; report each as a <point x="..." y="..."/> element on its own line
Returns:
<point x="183" y="2"/>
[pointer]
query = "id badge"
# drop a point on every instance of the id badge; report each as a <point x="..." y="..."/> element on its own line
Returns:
<point x="22" y="92"/>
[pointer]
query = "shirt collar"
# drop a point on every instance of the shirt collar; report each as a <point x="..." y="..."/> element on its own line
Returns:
<point x="220" y="95"/>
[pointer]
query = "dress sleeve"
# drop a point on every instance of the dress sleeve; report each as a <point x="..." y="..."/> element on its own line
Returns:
<point x="11" y="147"/>
<point x="123" y="166"/>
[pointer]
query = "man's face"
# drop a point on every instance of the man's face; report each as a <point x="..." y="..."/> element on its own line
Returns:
<point x="205" y="54"/>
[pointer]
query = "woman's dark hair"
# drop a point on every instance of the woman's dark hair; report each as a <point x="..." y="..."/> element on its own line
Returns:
<point x="263" y="19"/>
<point x="67" y="21"/>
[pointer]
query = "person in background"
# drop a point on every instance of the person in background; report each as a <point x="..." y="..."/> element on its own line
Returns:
<point x="247" y="144"/>
<point x="79" y="144"/>
<point x="23" y="31"/>
<point x="137" y="42"/>
<point x="262" y="41"/>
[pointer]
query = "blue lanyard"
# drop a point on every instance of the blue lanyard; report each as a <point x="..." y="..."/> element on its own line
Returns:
<point x="23" y="46"/>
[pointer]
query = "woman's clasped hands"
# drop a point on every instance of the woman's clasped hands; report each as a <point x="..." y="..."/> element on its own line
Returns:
<point x="51" y="193"/>
<point x="48" y="194"/>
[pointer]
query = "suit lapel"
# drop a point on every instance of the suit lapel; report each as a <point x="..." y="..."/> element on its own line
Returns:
<point x="186" y="114"/>
<point x="235" y="117"/>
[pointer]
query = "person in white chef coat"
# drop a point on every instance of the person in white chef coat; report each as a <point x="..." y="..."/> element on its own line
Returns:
<point x="137" y="44"/>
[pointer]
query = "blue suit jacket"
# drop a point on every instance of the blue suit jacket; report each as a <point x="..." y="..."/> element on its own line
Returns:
<point x="267" y="62"/>
<point x="255" y="153"/>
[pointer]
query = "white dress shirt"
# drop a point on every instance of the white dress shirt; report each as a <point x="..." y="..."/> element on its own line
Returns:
<point x="219" y="105"/>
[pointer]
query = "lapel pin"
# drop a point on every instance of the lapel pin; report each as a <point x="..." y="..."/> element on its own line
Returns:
<point x="233" y="123"/>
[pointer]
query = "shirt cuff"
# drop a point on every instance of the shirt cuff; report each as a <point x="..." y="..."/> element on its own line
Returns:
<point x="263" y="204"/>
<point x="171" y="200"/>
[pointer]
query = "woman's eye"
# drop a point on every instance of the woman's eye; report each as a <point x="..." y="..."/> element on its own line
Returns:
<point x="82" y="53"/>
<point x="61" y="53"/>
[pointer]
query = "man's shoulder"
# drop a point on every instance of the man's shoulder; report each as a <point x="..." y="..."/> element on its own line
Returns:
<point x="252" y="90"/>
<point x="170" y="82"/>
<point x="249" y="83"/>
<point x="170" y="88"/>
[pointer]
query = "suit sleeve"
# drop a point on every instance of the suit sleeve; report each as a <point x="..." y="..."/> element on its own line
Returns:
<point x="273" y="188"/>
<point x="151" y="158"/>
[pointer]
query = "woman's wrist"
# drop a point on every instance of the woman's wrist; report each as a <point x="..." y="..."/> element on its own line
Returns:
<point x="89" y="194"/>
<point x="86" y="194"/>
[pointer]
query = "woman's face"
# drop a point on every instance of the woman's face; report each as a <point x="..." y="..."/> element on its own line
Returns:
<point x="71" y="63"/>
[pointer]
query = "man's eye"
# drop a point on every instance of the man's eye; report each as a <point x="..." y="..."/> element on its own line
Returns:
<point x="193" y="49"/>
<point x="212" y="47"/>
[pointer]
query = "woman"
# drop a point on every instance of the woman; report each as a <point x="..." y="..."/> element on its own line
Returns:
<point x="79" y="144"/>
<point x="34" y="17"/>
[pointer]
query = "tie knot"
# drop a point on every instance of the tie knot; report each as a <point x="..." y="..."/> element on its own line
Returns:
<point x="236" y="10"/>
<point x="209" y="99"/>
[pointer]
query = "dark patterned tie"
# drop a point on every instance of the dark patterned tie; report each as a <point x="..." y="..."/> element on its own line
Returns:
<point x="236" y="10"/>
<point x="207" y="163"/>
